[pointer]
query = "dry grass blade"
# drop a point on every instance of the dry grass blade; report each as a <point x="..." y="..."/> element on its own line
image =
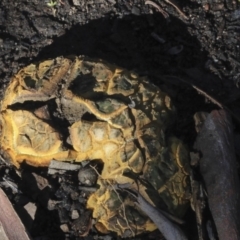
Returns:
<point x="177" y="8"/>
<point x="165" y="14"/>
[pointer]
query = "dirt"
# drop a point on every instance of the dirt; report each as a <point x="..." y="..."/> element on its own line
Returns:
<point x="200" y="47"/>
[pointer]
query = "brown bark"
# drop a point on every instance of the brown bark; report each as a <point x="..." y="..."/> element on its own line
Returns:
<point x="219" y="171"/>
<point x="11" y="227"/>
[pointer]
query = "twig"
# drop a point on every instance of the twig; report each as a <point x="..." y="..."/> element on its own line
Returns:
<point x="177" y="8"/>
<point x="12" y="185"/>
<point x="209" y="97"/>
<point x="199" y="90"/>
<point x="88" y="189"/>
<point x="3" y="160"/>
<point x="165" y="14"/>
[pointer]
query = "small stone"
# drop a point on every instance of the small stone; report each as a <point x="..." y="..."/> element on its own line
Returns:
<point x="41" y="181"/>
<point x="175" y="50"/>
<point x="52" y="204"/>
<point x="76" y="3"/>
<point x="31" y="209"/>
<point x="64" y="228"/>
<point x="87" y="175"/>
<point x="135" y="10"/>
<point x="74" y="195"/>
<point x="74" y="214"/>
<point x="63" y="166"/>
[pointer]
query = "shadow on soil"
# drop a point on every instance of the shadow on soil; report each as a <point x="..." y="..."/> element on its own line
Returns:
<point x="144" y="43"/>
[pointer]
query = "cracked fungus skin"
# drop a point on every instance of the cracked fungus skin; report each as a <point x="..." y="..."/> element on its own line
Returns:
<point x="76" y="108"/>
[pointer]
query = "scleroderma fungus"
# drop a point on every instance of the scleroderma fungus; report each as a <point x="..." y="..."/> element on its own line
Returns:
<point x="76" y="109"/>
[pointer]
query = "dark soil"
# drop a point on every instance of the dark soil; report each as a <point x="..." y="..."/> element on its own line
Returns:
<point x="175" y="53"/>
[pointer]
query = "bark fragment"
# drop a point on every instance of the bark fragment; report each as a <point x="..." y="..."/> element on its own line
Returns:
<point x="219" y="171"/>
<point x="11" y="227"/>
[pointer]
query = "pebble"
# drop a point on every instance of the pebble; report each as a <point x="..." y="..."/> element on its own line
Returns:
<point x="64" y="228"/>
<point x="74" y="214"/>
<point x="76" y="3"/>
<point x="135" y="10"/>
